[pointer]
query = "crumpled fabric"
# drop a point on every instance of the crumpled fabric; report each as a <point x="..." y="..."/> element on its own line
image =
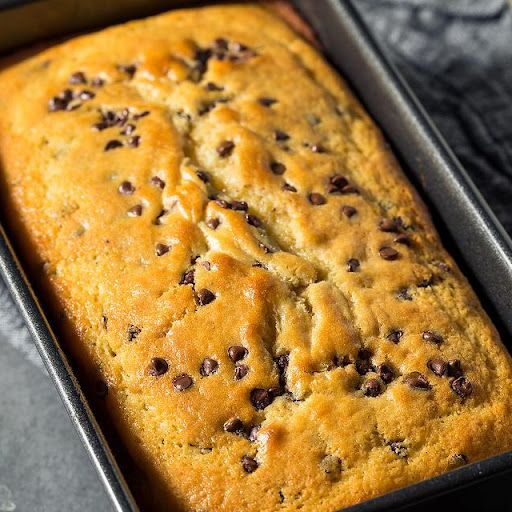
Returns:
<point x="457" y="57"/>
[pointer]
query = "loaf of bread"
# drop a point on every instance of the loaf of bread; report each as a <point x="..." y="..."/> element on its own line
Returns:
<point x="238" y="265"/>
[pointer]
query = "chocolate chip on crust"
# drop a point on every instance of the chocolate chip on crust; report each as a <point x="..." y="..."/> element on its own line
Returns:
<point x="386" y="373"/>
<point x="182" y="382"/>
<point x="390" y="225"/>
<point x="395" y="336"/>
<point x="78" y="77"/>
<point x="437" y="366"/>
<point x="279" y="135"/>
<point x="213" y="223"/>
<point x="234" y="425"/>
<point x="388" y="253"/>
<point x="316" y="199"/>
<point x="204" y="297"/>
<point x="288" y="188"/>
<point x="432" y="337"/>
<point x="135" y="211"/>
<point x="225" y="148"/>
<point x="187" y="277"/>
<point x="158" y="182"/>
<point x="353" y="265"/>
<point x="126" y="188"/>
<point x="462" y="387"/>
<point x="241" y="370"/>
<point x="203" y="176"/>
<point x="417" y="380"/>
<point x="237" y="353"/>
<point x="133" y="332"/>
<point x="158" y="367"/>
<point x="372" y="388"/>
<point x="112" y="144"/>
<point x="454" y="368"/>
<point x="266" y="101"/>
<point x="249" y="464"/>
<point x="208" y="367"/>
<point x="161" y="249"/>
<point x="261" y="398"/>
<point x="278" y="168"/>
<point x="348" y="211"/>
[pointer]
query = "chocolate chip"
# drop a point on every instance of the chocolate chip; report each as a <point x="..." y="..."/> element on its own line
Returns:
<point x="211" y="86"/>
<point x="458" y="459"/>
<point x="288" y="188"/>
<point x="443" y="266"/>
<point x="363" y="362"/>
<point x="204" y="297"/>
<point x="157" y="182"/>
<point x="338" y="181"/>
<point x="348" y="211"/>
<point x="237" y="353"/>
<point x="78" y="77"/>
<point x="331" y="466"/>
<point x="241" y="370"/>
<point x="182" y="382"/>
<point x="454" y="368"/>
<point x="316" y="199"/>
<point x="86" y="95"/>
<point x="97" y="81"/>
<point x="213" y="223"/>
<point x="56" y="103"/>
<point x="134" y="141"/>
<point x="341" y="361"/>
<point x="140" y="115"/>
<point x="158" y="219"/>
<point x="267" y="102"/>
<point x="388" y="253"/>
<point x="399" y="449"/>
<point x="240" y="206"/>
<point x="102" y="125"/>
<point x="402" y="239"/>
<point x="252" y="220"/>
<point x="432" y="337"/>
<point x="386" y="373"/>
<point x="158" y="367"/>
<point x="280" y="135"/>
<point x="203" y="176"/>
<point x="187" y="277"/>
<point x="126" y="188"/>
<point x="129" y="69"/>
<point x="128" y="129"/>
<point x="249" y="464"/>
<point x="253" y="433"/>
<point x="318" y="148"/>
<point x="223" y="203"/>
<point x="462" y="387"/>
<point x="135" y="211"/>
<point x="417" y="380"/>
<point x="390" y="225"/>
<point x="112" y="144"/>
<point x="349" y="189"/>
<point x="133" y="332"/>
<point x="161" y="249"/>
<point x="278" y="168"/>
<point x="225" y="148"/>
<point x="437" y="366"/>
<point x="101" y="389"/>
<point x="261" y="398"/>
<point x="372" y="388"/>
<point x="352" y="265"/>
<point x="234" y="426"/>
<point x="208" y="367"/>
<point x="282" y="365"/>
<point x="275" y="391"/>
<point x="395" y="336"/>
<point x="403" y="294"/>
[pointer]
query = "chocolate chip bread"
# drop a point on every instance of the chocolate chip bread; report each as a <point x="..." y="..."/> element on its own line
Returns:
<point x="241" y="269"/>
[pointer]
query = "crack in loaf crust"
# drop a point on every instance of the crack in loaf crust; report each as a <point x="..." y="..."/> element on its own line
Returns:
<point x="241" y="265"/>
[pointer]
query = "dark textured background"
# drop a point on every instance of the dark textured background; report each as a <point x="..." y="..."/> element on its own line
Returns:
<point x="457" y="57"/>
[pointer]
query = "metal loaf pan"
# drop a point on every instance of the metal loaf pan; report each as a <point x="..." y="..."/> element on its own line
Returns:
<point x="468" y="228"/>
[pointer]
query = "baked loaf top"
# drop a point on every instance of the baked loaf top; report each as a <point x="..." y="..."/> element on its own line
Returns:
<point x="241" y="263"/>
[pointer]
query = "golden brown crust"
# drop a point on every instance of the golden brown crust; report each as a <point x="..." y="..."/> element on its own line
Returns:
<point x="303" y="284"/>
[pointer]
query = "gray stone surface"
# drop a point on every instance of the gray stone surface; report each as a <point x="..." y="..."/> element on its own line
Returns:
<point x="457" y="56"/>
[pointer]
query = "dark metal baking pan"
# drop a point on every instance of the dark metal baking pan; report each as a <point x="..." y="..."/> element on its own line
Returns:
<point x="467" y="225"/>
